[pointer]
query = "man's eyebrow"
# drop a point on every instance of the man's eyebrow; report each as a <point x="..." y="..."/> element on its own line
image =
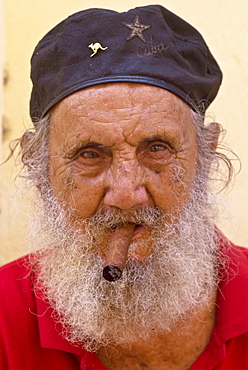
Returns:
<point x="158" y="138"/>
<point x="154" y="138"/>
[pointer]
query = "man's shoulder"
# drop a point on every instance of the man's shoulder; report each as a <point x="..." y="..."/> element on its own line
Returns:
<point x="233" y="253"/>
<point x="16" y="285"/>
<point x="232" y="308"/>
<point x="238" y="260"/>
<point x="15" y="271"/>
<point x="234" y="271"/>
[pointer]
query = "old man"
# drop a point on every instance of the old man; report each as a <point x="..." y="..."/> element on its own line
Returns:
<point x="128" y="270"/>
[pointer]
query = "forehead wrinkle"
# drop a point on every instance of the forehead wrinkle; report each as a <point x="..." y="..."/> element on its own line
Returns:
<point x="164" y="110"/>
<point x="125" y="97"/>
<point x="161" y="127"/>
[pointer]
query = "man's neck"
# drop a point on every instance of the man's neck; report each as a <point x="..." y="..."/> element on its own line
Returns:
<point x="176" y="350"/>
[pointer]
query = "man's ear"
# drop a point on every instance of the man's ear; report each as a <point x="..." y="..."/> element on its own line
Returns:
<point x="26" y="144"/>
<point x="28" y="149"/>
<point x="213" y="133"/>
<point x="211" y="137"/>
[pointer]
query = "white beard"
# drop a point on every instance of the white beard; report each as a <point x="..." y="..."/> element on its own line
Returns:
<point x="152" y="296"/>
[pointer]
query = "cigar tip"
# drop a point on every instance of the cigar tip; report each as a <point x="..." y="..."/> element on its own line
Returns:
<point x="111" y="273"/>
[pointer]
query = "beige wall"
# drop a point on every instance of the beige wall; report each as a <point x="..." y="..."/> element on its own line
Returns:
<point x="224" y="26"/>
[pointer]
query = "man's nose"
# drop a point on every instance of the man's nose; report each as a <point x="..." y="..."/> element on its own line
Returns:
<point x="126" y="187"/>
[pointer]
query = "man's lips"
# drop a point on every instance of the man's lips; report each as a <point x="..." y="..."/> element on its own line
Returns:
<point x="140" y="232"/>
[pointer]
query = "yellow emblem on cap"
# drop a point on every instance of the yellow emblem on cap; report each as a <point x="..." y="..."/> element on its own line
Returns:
<point x="95" y="47"/>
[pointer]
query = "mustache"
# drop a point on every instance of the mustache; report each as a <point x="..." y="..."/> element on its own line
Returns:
<point x="114" y="217"/>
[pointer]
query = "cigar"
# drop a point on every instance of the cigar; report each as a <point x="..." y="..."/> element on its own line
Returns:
<point x="117" y="254"/>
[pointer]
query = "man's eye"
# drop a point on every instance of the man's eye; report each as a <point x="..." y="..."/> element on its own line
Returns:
<point x="157" y="147"/>
<point x="90" y="154"/>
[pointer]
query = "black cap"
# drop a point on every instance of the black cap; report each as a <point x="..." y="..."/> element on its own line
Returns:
<point x="147" y="45"/>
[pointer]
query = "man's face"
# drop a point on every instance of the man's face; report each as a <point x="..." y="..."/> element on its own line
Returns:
<point x="122" y="146"/>
<point x="125" y="153"/>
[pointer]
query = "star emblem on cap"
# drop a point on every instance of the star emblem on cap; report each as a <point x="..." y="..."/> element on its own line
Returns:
<point x="137" y="29"/>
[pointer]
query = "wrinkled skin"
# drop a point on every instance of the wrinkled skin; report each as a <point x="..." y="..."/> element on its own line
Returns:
<point x="122" y="145"/>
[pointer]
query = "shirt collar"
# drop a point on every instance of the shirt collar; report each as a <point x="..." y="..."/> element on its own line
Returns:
<point x="50" y="331"/>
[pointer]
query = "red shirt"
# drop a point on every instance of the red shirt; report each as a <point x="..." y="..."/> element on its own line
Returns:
<point x="29" y="338"/>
